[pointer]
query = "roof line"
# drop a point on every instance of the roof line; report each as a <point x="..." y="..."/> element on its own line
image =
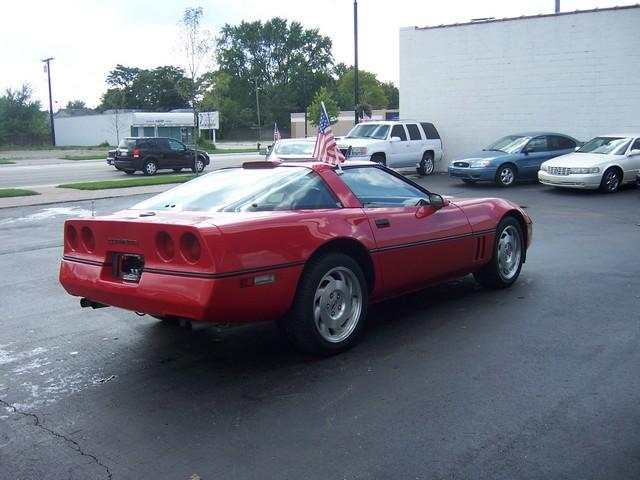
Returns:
<point x="525" y="17"/>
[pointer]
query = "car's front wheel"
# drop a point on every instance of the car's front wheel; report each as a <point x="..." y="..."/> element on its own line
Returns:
<point x="506" y="176"/>
<point x="379" y="158"/>
<point x="426" y="164"/>
<point x="508" y="256"/>
<point x="150" y="167"/>
<point x="330" y="306"/>
<point x="610" y="180"/>
<point x="198" y="165"/>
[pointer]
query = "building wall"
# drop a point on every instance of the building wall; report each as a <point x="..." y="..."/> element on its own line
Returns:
<point x="89" y="130"/>
<point x="573" y="73"/>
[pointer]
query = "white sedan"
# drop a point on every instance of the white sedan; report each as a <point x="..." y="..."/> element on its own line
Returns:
<point x="605" y="162"/>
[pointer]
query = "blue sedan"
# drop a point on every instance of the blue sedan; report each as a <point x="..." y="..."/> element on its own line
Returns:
<point x="512" y="158"/>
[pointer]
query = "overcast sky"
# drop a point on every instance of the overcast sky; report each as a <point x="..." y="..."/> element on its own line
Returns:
<point x="88" y="38"/>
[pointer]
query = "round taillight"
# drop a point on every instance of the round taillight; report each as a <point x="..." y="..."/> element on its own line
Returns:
<point x="190" y="247"/>
<point x="71" y="236"/>
<point x="88" y="240"/>
<point x="164" y="246"/>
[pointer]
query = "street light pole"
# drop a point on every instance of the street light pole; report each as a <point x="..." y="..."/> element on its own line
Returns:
<point x="355" y="63"/>
<point x="255" y="79"/>
<point x="53" y="130"/>
<point x="557" y="6"/>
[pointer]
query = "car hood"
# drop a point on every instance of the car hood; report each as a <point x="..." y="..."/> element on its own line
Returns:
<point x="482" y="154"/>
<point x="580" y="160"/>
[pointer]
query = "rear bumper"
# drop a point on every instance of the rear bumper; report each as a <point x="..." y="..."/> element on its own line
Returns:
<point x="221" y="300"/>
<point x="128" y="164"/>
<point x="589" y="182"/>
<point x="475" y="174"/>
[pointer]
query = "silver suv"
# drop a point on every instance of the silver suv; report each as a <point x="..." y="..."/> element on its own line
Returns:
<point x="398" y="144"/>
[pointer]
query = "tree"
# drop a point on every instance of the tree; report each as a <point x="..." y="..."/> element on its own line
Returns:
<point x="333" y="110"/>
<point x="371" y="91"/>
<point x="21" y="120"/>
<point x="76" y="104"/>
<point x="392" y="94"/>
<point x="287" y="62"/>
<point x="196" y="43"/>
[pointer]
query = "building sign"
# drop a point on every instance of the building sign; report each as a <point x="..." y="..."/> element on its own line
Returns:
<point x="208" y="121"/>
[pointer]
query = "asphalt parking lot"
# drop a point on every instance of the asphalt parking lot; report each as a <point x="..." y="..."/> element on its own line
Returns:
<point x="539" y="381"/>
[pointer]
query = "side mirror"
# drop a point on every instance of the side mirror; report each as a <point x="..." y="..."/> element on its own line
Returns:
<point x="394" y="139"/>
<point x="437" y="201"/>
<point x="633" y="153"/>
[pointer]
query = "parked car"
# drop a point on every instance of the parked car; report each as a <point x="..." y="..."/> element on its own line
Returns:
<point x="150" y="154"/>
<point x="603" y="163"/>
<point x="394" y="144"/>
<point x="512" y="158"/>
<point x="111" y="156"/>
<point x="292" y="149"/>
<point x="299" y="242"/>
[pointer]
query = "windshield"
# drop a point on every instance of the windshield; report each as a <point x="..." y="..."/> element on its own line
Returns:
<point x="508" y="144"/>
<point x="369" y="130"/>
<point x="295" y="148"/>
<point x="606" y="145"/>
<point x="243" y="190"/>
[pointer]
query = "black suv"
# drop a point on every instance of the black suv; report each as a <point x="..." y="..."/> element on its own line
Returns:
<point x="151" y="154"/>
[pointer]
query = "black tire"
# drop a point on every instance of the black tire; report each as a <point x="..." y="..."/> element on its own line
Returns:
<point x="198" y="165"/>
<point x="177" y="170"/>
<point x="129" y="172"/>
<point x="330" y="306"/>
<point x="427" y="165"/>
<point x="468" y="181"/>
<point x="379" y="158"/>
<point x="506" y="175"/>
<point x="611" y="180"/>
<point x="508" y="256"/>
<point x="150" y="167"/>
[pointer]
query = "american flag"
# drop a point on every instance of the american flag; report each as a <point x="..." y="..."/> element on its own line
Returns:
<point x="276" y="133"/>
<point x="326" y="149"/>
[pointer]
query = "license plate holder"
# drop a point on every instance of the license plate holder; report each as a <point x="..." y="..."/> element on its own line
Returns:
<point x="128" y="266"/>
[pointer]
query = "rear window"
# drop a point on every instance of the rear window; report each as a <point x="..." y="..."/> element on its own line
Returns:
<point x="128" y="143"/>
<point x="430" y="131"/>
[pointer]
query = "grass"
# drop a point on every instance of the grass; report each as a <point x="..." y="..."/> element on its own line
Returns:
<point x="130" y="182"/>
<point x="16" y="192"/>
<point x="89" y="156"/>
<point x="5" y="161"/>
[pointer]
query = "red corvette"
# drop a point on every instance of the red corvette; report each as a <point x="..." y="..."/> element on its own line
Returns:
<point x="304" y="243"/>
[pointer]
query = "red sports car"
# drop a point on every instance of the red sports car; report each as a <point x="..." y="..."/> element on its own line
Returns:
<point x="307" y="244"/>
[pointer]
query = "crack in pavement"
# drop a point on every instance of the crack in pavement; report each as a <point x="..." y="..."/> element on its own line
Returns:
<point x="75" y="445"/>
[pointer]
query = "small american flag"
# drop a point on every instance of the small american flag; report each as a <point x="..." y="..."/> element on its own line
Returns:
<point x="326" y="149"/>
<point x="276" y="133"/>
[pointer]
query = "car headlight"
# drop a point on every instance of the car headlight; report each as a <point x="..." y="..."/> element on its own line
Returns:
<point x="479" y="163"/>
<point x="358" y="151"/>
<point x="544" y="168"/>
<point x="583" y="171"/>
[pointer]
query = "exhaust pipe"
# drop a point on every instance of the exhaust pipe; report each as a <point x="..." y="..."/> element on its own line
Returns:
<point x="85" y="303"/>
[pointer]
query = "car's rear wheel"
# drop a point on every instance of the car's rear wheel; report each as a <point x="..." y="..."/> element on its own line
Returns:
<point x="198" y="165"/>
<point x="150" y="167"/>
<point x="610" y="180"/>
<point x="426" y="164"/>
<point x="506" y="175"/>
<point x="379" y="158"/>
<point x="508" y="255"/>
<point x="330" y="306"/>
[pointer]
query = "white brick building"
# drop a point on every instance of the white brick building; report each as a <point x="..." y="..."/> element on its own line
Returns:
<point x="576" y="73"/>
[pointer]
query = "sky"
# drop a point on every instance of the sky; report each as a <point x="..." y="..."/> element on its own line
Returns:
<point x="88" y="38"/>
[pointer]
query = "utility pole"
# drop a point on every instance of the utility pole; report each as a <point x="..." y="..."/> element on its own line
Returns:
<point x="53" y="130"/>
<point x="255" y="79"/>
<point x="557" y="6"/>
<point x="355" y="63"/>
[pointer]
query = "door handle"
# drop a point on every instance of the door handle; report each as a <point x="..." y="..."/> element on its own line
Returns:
<point x="382" y="223"/>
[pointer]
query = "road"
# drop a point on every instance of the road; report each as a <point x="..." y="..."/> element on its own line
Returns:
<point x="51" y="172"/>
<point x="455" y="382"/>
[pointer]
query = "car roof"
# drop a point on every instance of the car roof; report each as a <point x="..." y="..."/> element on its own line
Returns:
<point x="537" y="133"/>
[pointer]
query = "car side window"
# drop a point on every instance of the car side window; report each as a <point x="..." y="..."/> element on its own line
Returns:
<point x="557" y="142"/>
<point x="414" y="131"/>
<point x="175" y="145"/>
<point x="398" y="131"/>
<point x="430" y="131"/>
<point x="537" y="144"/>
<point x="636" y="144"/>
<point x="375" y="187"/>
